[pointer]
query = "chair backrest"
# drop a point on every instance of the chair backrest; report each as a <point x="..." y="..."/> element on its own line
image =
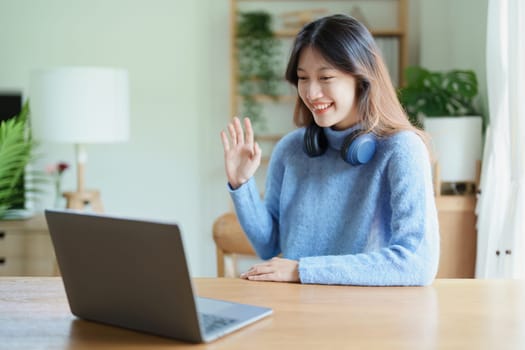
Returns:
<point x="230" y="241"/>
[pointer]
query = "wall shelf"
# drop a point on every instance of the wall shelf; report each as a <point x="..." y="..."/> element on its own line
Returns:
<point x="386" y="19"/>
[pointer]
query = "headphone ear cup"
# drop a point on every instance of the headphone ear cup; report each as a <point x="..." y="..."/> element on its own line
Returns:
<point x="315" y="142"/>
<point x="358" y="148"/>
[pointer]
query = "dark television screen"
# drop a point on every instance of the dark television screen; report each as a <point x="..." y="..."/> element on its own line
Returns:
<point x="10" y="105"/>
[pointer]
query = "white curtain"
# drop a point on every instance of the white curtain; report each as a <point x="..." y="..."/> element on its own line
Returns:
<point x="501" y="204"/>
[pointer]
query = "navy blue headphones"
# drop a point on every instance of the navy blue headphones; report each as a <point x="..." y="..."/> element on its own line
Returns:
<point x="358" y="147"/>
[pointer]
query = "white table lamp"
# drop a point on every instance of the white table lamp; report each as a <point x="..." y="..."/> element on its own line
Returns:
<point x="80" y="105"/>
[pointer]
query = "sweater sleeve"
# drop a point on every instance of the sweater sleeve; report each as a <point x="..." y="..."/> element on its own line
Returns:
<point x="412" y="253"/>
<point x="260" y="219"/>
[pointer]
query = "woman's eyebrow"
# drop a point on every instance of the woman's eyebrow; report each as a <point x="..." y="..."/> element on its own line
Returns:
<point x="320" y="69"/>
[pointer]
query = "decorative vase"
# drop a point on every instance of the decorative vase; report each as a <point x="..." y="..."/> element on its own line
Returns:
<point x="58" y="194"/>
<point x="457" y="143"/>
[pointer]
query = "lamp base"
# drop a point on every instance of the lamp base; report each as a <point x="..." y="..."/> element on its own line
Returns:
<point x="78" y="200"/>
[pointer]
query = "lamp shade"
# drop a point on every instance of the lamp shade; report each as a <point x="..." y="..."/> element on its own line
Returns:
<point x="80" y="105"/>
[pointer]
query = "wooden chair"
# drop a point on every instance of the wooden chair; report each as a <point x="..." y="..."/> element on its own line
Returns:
<point x="230" y="242"/>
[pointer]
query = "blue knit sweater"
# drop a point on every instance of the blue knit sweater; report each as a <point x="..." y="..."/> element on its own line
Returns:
<point x="373" y="224"/>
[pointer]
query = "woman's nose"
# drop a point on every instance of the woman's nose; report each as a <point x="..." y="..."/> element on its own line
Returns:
<point x="313" y="91"/>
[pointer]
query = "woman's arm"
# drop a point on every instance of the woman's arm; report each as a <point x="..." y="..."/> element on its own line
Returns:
<point x="259" y="220"/>
<point x="256" y="220"/>
<point x="410" y="256"/>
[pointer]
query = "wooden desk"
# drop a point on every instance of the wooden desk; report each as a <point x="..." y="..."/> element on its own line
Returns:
<point x="450" y="314"/>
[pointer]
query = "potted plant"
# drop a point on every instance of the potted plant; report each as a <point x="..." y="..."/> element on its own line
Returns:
<point x="257" y="62"/>
<point x="443" y="104"/>
<point x="16" y="146"/>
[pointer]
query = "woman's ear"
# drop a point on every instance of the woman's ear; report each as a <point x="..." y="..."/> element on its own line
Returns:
<point x="363" y="87"/>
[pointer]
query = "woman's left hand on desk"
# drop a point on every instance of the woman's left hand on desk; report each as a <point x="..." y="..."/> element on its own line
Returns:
<point x="276" y="269"/>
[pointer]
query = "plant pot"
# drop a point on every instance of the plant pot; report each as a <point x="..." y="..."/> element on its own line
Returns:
<point x="457" y="143"/>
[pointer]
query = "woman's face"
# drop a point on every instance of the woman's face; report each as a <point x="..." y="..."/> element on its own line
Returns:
<point x="327" y="92"/>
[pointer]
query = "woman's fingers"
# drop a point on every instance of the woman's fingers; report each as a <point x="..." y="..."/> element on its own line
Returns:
<point x="265" y="277"/>
<point x="259" y="269"/>
<point x="263" y="272"/>
<point x="276" y="269"/>
<point x="238" y="130"/>
<point x="233" y="135"/>
<point x="225" y="142"/>
<point x="249" y="131"/>
<point x="257" y="151"/>
<point x="239" y="136"/>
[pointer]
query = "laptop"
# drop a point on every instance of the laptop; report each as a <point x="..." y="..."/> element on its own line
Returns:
<point x="133" y="274"/>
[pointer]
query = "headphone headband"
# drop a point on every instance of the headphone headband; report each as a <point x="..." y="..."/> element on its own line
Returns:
<point x="357" y="148"/>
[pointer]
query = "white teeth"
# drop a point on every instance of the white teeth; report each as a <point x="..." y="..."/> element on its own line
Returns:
<point x="321" y="107"/>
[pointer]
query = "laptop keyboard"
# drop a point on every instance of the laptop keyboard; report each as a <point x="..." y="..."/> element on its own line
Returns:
<point x="212" y="322"/>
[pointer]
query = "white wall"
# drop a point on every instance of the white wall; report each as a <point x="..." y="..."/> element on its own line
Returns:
<point x="453" y="36"/>
<point x="177" y="55"/>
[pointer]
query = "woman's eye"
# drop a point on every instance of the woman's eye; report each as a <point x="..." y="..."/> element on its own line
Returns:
<point x="301" y="78"/>
<point x="326" y="78"/>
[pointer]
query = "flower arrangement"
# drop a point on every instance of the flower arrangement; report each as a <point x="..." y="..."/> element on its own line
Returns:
<point x="55" y="171"/>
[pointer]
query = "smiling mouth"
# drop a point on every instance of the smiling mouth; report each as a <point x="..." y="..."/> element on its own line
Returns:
<point x="322" y="107"/>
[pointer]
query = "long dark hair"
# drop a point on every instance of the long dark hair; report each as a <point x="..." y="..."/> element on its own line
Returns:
<point x="346" y="44"/>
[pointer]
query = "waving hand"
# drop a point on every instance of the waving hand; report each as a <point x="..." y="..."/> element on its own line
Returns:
<point x="242" y="155"/>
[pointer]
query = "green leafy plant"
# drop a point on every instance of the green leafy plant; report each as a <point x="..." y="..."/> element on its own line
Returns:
<point x="16" y="146"/>
<point x="257" y="60"/>
<point x="435" y="94"/>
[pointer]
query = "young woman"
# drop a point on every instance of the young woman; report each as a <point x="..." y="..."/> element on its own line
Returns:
<point x="349" y="196"/>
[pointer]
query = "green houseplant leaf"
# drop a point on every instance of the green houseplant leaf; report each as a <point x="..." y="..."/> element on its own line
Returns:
<point x="257" y="59"/>
<point x="16" y="147"/>
<point x="435" y="94"/>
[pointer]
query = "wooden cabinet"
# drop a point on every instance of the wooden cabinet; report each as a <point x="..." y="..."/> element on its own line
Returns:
<point x="457" y="227"/>
<point x="26" y="248"/>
